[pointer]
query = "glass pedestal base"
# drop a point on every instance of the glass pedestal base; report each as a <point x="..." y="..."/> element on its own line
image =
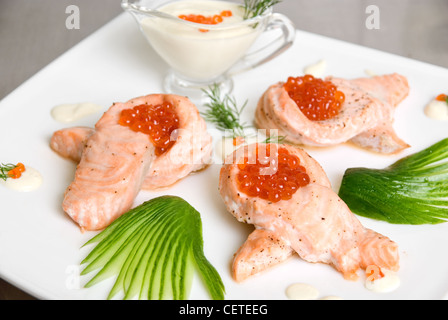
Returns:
<point x="174" y="84"/>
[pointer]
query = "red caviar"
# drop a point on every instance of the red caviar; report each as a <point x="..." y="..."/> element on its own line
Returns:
<point x="158" y="121"/>
<point x="273" y="175"/>
<point x="199" y="18"/>
<point x="226" y="13"/>
<point x="316" y="98"/>
<point x="17" y="171"/>
<point x="442" y="97"/>
<point x="237" y="141"/>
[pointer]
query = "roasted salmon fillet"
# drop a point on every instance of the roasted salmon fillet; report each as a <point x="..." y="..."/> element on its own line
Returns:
<point x="191" y="152"/>
<point x="314" y="223"/>
<point x="70" y="143"/>
<point x="365" y="119"/>
<point x="115" y="162"/>
<point x="110" y="173"/>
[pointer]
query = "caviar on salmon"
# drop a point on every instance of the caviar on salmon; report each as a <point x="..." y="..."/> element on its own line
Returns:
<point x="158" y="121"/>
<point x="273" y="175"/>
<point x="316" y="98"/>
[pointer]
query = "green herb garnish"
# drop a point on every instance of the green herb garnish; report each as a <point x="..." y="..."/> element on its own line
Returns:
<point x="442" y="97"/>
<point x="254" y="8"/>
<point x="223" y="112"/>
<point x="4" y="170"/>
<point x="275" y="139"/>
<point x="153" y="250"/>
<point x="413" y="190"/>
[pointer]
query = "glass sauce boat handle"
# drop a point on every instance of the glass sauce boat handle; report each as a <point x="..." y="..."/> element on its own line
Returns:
<point x="270" y="50"/>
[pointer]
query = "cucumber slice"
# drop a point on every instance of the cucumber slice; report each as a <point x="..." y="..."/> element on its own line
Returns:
<point x="152" y="251"/>
<point x="413" y="190"/>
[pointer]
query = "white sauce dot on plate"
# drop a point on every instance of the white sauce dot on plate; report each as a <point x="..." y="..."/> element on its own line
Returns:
<point x="388" y="283"/>
<point x="301" y="291"/>
<point x="75" y="111"/>
<point x="317" y="69"/>
<point x="331" y="298"/>
<point x="30" y="180"/>
<point x="437" y="110"/>
<point x="370" y="73"/>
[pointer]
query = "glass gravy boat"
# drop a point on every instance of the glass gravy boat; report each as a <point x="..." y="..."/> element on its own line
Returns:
<point x="201" y="55"/>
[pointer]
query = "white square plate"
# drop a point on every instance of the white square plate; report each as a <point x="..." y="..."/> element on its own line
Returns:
<point x="40" y="246"/>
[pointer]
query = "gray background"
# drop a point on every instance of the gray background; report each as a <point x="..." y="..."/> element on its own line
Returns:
<point x="33" y="33"/>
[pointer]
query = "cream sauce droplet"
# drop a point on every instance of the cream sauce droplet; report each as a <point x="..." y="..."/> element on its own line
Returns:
<point x="437" y="110"/>
<point x="73" y="112"/>
<point x="317" y="69"/>
<point x="30" y="180"/>
<point x="331" y="298"/>
<point x="370" y="73"/>
<point x="301" y="291"/>
<point x="388" y="283"/>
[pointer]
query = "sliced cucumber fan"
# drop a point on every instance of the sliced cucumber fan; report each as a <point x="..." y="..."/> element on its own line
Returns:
<point x="152" y="251"/>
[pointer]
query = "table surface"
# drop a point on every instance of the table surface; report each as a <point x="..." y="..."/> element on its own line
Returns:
<point x="34" y="33"/>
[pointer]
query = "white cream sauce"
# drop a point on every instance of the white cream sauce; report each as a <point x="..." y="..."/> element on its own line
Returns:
<point x="370" y="73"/>
<point x="301" y="291"/>
<point x="30" y="180"/>
<point x="205" y="8"/>
<point x="75" y="111"/>
<point x="388" y="283"/>
<point x="437" y="110"/>
<point x="317" y="70"/>
<point x="200" y="56"/>
<point x="331" y="298"/>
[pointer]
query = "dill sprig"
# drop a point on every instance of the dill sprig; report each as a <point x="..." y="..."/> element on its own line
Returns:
<point x="4" y="170"/>
<point x="253" y="8"/>
<point x="275" y="139"/>
<point x="223" y="112"/>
